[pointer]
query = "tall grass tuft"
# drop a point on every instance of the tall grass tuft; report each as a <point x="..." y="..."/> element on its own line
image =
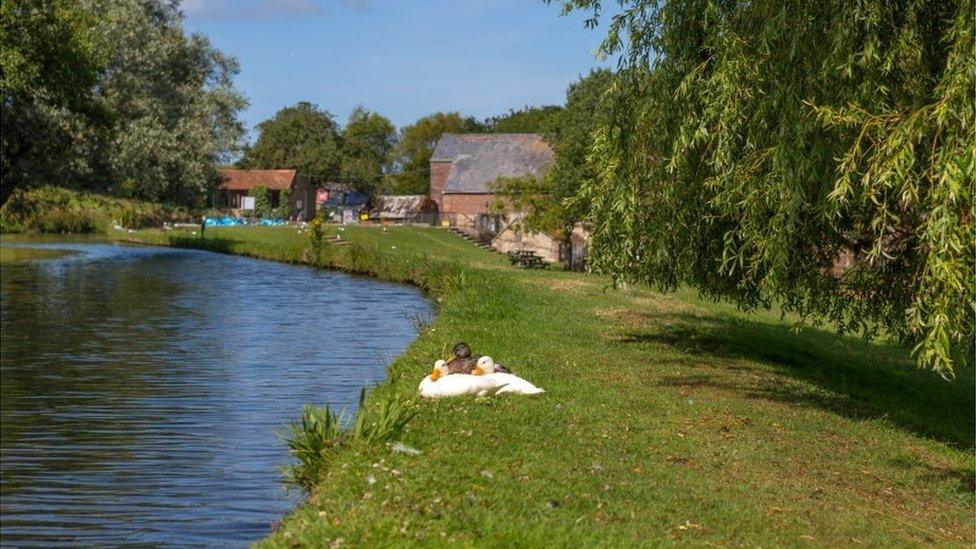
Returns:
<point x="316" y="437"/>
<point x="312" y="441"/>
<point x="386" y="422"/>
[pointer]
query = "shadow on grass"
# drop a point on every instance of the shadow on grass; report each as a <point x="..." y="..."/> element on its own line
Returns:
<point x="963" y="479"/>
<point x="846" y="375"/>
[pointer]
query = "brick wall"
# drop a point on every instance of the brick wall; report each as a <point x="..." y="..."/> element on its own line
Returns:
<point x="438" y="176"/>
<point x="466" y="203"/>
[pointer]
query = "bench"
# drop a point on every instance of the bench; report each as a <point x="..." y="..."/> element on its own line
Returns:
<point x="526" y="259"/>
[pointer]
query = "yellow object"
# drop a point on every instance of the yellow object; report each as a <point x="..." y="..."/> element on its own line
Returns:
<point x="364" y="216"/>
<point x="445" y="223"/>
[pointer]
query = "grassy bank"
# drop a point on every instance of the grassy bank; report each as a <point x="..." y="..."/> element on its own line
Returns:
<point x="667" y="418"/>
<point x="58" y="210"/>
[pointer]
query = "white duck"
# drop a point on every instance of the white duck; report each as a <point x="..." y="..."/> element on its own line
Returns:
<point x="440" y="384"/>
<point x="507" y="383"/>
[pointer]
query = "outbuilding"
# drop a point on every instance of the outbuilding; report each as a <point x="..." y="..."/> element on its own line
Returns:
<point x="410" y="208"/>
<point x="236" y="184"/>
<point x="464" y="168"/>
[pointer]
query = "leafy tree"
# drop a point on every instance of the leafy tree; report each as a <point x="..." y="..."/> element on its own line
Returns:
<point x="367" y="143"/>
<point x="301" y="137"/>
<point x="285" y="208"/>
<point x="817" y="154"/>
<point x="262" y="200"/>
<point x="416" y="144"/>
<point x="49" y="62"/>
<point x="173" y="102"/>
<point x="150" y="115"/>
<point x="48" y="48"/>
<point x="547" y="201"/>
<point x="525" y="120"/>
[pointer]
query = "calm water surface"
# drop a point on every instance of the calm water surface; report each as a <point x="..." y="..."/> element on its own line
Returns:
<point x="142" y="388"/>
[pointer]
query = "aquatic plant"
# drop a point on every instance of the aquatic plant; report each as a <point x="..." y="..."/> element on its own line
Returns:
<point x="386" y="421"/>
<point x="312" y="441"/>
<point x="318" y="434"/>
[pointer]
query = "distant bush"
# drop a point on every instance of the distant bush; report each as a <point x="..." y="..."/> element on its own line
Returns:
<point x="263" y="205"/>
<point x="284" y="209"/>
<point x="262" y="200"/>
<point x="52" y="209"/>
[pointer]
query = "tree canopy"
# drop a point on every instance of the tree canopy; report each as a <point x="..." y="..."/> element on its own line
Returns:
<point x="49" y="61"/>
<point x="301" y="137"/>
<point x="569" y="132"/>
<point x="49" y="48"/>
<point x="112" y="95"/>
<point x="367" y="144"/>
<point x="524" y="120"/>
<point x="416" y="144"/>
<point x="173" y="104"/>
<point x="814" y="154"/>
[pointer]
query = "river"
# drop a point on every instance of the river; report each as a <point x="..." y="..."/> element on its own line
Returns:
<point x="142" y="388"/>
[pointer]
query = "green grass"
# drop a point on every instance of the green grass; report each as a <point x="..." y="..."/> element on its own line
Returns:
<point x="16" y="255"/>
<point x="53" y="210"/>
<point x="668" y="419"/>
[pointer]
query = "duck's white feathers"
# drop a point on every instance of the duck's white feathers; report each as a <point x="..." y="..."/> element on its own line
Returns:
<point x="511" y="383"/>
<point x="458" y="385"/>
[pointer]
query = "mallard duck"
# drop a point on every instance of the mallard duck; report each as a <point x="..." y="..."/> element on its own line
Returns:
<point x="507" y="382"/>
<point x="440" y="384"/>
<point x="461" y="361"/>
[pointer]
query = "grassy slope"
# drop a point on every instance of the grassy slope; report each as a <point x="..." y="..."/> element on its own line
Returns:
<point x="53" y="210"/>
<point x="668" y="419"/>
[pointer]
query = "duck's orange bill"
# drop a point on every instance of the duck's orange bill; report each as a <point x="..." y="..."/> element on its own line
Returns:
<point x="477" y="371"/>
<point x="435" y="374"/>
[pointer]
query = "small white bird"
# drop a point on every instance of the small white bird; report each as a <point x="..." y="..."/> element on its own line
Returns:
<point x="440" y="384"/>
<point x="507" y="383"/>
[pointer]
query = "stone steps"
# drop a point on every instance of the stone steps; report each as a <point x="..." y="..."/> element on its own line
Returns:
<point x="470" y="238"/>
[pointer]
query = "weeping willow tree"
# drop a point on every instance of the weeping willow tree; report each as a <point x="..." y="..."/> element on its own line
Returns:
<point x="819" y="155"/>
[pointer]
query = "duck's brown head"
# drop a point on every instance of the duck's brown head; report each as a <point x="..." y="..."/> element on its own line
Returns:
<point x="461" y="350"/>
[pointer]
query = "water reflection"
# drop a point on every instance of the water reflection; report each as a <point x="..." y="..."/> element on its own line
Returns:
<point x="142" y="388"/>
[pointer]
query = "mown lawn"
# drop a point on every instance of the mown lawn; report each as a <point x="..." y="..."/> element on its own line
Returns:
<point x="668" y="419"/>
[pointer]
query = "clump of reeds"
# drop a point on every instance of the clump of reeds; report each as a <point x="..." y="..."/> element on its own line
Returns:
<point x="319" y="433"/>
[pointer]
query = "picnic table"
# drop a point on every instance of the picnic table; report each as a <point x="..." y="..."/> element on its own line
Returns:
<point x="526" y="259"/>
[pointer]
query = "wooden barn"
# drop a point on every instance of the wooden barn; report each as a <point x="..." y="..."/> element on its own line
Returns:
<point x="235" y="185"/>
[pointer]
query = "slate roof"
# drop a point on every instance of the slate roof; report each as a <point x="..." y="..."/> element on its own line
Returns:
<point x="243" y="180"/>
<point x="477" y="160"/>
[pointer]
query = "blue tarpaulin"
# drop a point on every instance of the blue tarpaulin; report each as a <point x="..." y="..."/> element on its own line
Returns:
<point x="228" y="221"/>
<point x="273" y="221"/>
<point x="225" y="221"/>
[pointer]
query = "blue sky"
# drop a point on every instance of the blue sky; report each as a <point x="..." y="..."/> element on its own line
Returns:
<point x="402" y="59"/>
